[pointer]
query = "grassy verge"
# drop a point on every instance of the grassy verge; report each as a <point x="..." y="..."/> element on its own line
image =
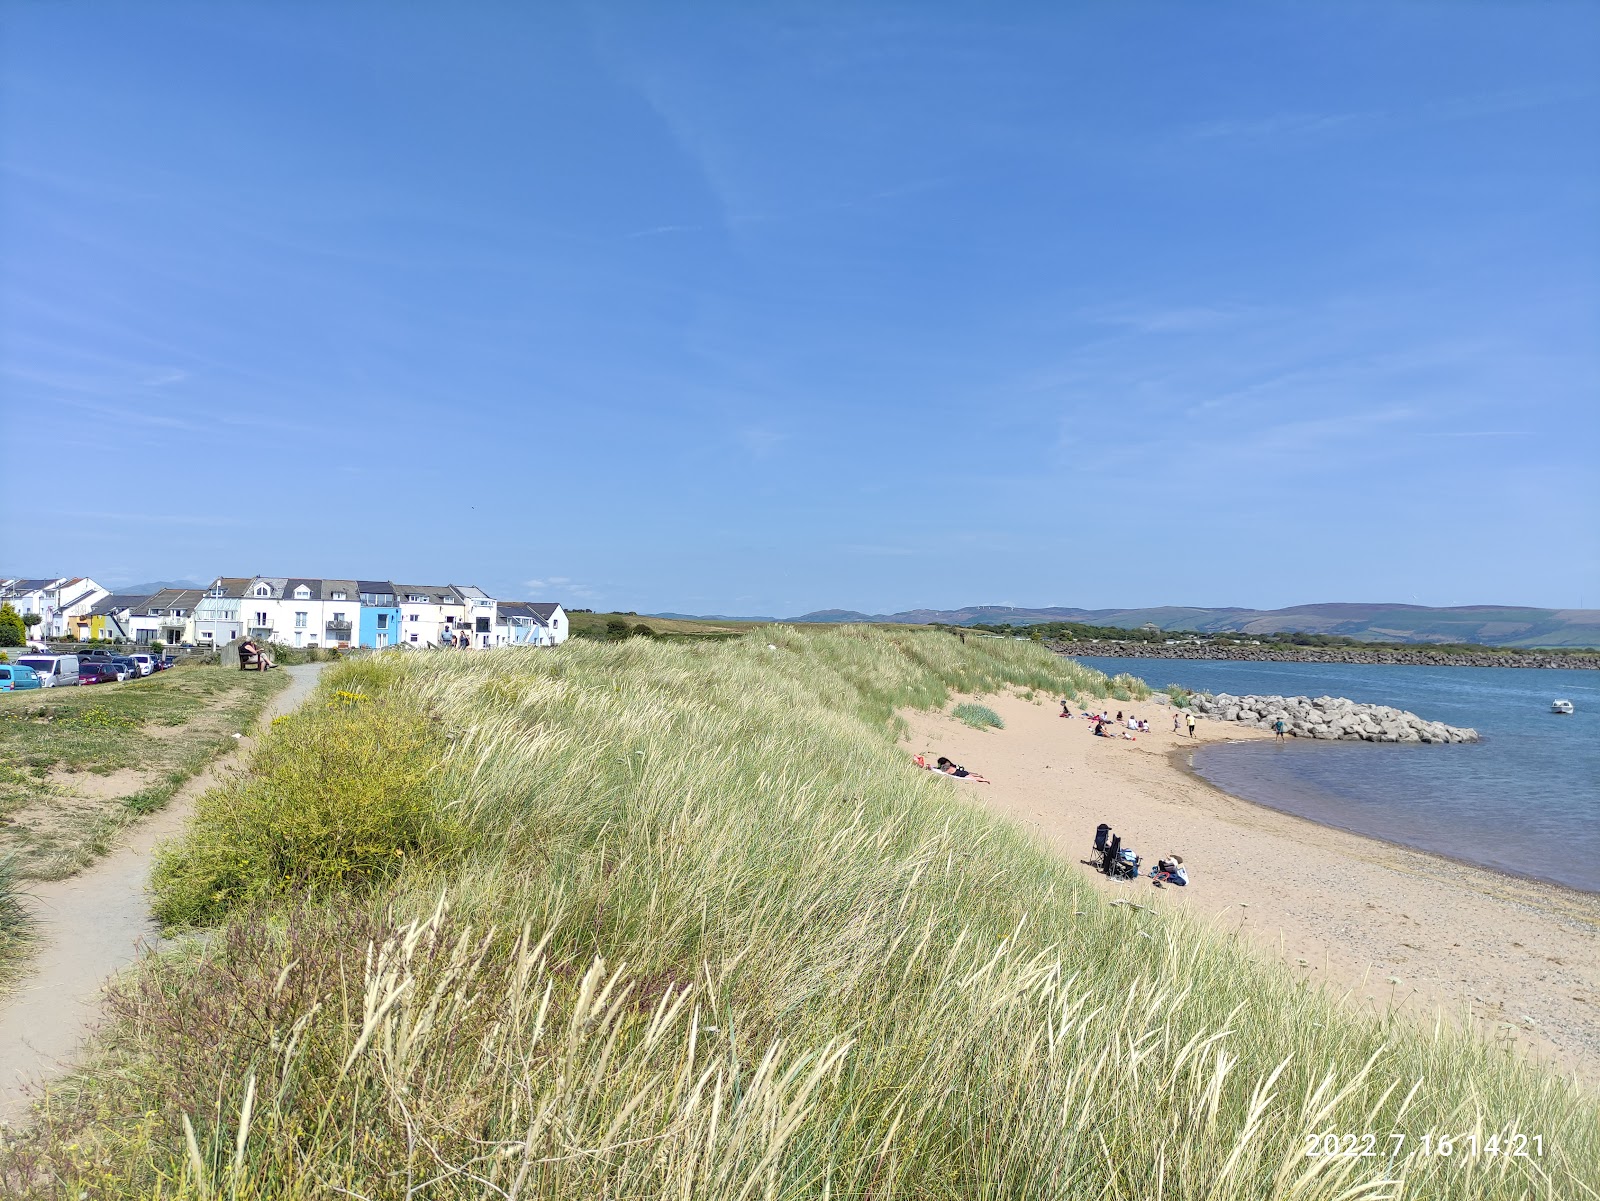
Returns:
<point x="649" y="919"/>
<point x="77" y="764"/>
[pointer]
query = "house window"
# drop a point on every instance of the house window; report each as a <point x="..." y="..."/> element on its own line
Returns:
<point x="413" y="618"/>
<point x="299" y="621"/>
<point x="338" y="596"/>
<point x="383" y="621"/>
<point x="483" y="626"/>
<point x="413" y="636"/>
<point x="261" y="621"/>
<point x="263" y="590"/>
<point x="302" y="593"/>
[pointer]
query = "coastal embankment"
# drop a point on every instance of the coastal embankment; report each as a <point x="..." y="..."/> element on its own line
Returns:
<point x="671" y="919"/>
<point x="1327" y="717"/>
<point x="1418" y="657"/>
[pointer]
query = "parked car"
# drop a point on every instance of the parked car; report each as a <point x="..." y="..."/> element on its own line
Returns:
<point x="130" y="669"/>
<point x="98" y="671"/>
<point x="168" y="661"/>
<point x="17" y="677"/>
<point x="147" y="663"/>
<point x="55" y="671"/>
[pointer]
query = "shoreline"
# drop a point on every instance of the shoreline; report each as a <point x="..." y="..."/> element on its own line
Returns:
<point x="1387" y="925"/>
<point x="1392" y="657"/>
<point x="1177" y="757"/>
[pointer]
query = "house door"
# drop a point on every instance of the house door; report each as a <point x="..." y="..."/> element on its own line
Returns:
<point x="383" y="641"/>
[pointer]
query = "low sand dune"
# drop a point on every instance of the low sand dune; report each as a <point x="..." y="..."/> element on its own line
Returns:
<point x="1354" y="912"/>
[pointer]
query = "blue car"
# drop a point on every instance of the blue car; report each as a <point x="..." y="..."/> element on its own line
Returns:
<point x="16" y="677"/>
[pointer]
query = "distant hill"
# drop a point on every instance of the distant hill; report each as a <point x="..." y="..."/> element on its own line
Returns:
<point x="155" y="586"/>
<point x="1489" y="625"/>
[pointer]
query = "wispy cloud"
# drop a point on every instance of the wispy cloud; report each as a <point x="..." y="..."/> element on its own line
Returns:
<point x="1278" y="126"/>
<point x="759" y="442"/>
<point x="657" y="231"/>
<point x="154" y="518"/>
<point x="1178" y="319"/>
<point x="1304" y="126"/>
<point x="563" y="585"/>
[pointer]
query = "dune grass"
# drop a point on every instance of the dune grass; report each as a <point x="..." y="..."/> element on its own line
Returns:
<point x="16" y="928"/>
<point x="697" y="928"/>
<point x="979" y="717"/>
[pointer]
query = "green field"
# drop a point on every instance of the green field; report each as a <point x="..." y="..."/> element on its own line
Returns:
<point x="679" y="919"/>
<point x="608" y="626"/>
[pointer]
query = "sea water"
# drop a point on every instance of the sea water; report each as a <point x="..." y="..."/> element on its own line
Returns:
<point x="1525" y="800"/>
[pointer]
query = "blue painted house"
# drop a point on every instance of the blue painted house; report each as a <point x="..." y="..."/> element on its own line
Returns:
<point x="380" y="614"/>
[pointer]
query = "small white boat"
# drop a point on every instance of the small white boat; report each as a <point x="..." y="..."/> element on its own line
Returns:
<point x="1561" y="706"/>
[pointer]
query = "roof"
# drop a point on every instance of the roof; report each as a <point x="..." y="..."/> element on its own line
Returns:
<point x="230" y="586"/>
<point x="19" y="586"/>
<point x="375" y="585"/>
<point x="172" y="598"/>
<point x="539" y="611"/>
<point x="116" y="603"/>
<point x="84" y="595"/>
<point x="435" y="594"/>
<point x="472" y="591"/>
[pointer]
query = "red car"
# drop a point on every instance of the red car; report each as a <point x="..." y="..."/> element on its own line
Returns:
<point x="96" y="671"/>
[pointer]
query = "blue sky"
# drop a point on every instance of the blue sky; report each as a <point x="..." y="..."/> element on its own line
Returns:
<point x="758" y="309"/>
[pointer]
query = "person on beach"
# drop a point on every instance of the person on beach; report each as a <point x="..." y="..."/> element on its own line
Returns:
<point x="1190" y="718"/>
<point x="955" y="769"/>
<point x="1066" y="709"/>
<point x="1176" y="718"/>
<point x="1280" y="728"/>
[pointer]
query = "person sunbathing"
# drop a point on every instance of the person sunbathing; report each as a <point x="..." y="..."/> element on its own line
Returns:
<point x="955" y="769"/>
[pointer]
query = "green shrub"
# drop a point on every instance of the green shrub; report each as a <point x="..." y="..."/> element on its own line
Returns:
<point x="12" y="631"/>
<point x="339" y="794"/>
<point x="1179" y="694"/>
<point x="979" y="717"/>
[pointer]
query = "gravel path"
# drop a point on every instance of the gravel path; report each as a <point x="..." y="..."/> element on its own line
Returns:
<point x="92" y="925"/>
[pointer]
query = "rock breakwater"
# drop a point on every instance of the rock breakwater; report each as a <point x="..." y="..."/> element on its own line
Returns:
<point x="1328" y="717"/>
<point x="1417" y="657"/>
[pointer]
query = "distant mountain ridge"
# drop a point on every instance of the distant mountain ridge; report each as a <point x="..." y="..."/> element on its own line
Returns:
<point x="154" y="586"/>
<point x="1490" y="625"/>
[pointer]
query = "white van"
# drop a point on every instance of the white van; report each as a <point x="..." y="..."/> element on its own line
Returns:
<point x="55" y="671"/>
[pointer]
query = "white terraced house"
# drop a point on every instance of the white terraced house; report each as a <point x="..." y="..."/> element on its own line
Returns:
<point x="430" y="614"/>
<point x="302" y="612"/>
<point x="56" y="601"/>
<point x="295" y="612"/>
<point x="480" y="615"/>
<point x="530" y="623"/>
<point x="167" y="617"/>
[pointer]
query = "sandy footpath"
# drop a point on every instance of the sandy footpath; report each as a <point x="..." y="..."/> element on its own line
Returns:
<point x="1352" y="911"/>
<point x="91" y="925"/>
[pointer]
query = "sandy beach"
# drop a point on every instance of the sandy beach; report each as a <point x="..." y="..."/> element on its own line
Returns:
<point x="1356" y="913"/>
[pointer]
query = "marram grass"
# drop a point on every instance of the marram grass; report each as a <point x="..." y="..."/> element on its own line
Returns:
<point x="980" y="717"/>
<point x="701" y="931"/>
